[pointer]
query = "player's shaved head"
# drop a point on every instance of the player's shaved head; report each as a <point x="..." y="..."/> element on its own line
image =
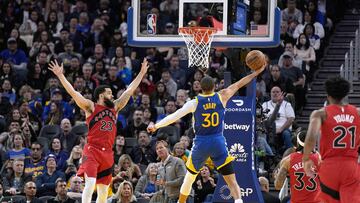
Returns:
<point x="337" y="88"/>
<point x="207" y="84"/>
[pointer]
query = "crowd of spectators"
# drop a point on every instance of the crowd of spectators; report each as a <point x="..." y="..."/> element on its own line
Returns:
<point x="40" y="140"/>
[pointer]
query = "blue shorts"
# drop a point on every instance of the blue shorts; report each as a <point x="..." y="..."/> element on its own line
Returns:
<point x="213" y="146"/>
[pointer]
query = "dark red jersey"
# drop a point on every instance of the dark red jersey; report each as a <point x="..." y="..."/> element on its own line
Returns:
<point x="102" y="127"/>
<point x="303" y="188"/>
<point x="340" y="132"/>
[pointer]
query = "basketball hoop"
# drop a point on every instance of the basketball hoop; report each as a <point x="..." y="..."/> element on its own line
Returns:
<point x="198" y="42"/>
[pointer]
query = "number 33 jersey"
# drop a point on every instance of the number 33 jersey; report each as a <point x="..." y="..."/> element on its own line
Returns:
<point x="209" y="114"/>
<point x="303" y="189"/>
<point x="102" y="127"/>
<point x="340" y="132"/>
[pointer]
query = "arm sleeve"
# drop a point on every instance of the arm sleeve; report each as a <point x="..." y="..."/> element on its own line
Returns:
<point x="188" y="107"/>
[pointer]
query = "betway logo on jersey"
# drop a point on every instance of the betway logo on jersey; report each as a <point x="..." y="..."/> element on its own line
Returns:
<point x="236" y="127"/>
<point x="237" y="150"/>
<point x="239" y="103"/>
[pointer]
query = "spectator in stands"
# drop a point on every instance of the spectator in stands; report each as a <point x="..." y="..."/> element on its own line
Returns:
<point x="7" y="91"/>
<point x="297" y="78"/>
<point x="7" y="72"/>
<point x="75" y="190"/>
<point x="170" y="107"/>
<point x="128" y="170"/>
<point x="21" y="43"/>
<point x="67" y="138"/>
<point x="285" y="117"/>
<point x="147" y="116"/>
<point x="62" y="40"/>
<point x="268" y="198"/>
<point x="178" y="74"/>
<point x="195" y="89"/>
<point x="87" y="71"/>
<point x="61" y="193"/>
<point x="123" y="72"/>
<point x="54" y="116"/>
<point x="57" y="150"/>
<point x="98" y="35"/>
<point x="136" y="125"/>
<point x="186" y="141"/>
<point x="119" y="147"/>
<point x="146" y="187"/>
<point x="43" y="39"/>
<point x="35" y="78"/>
<point x="64" y="108"/>
<point x="46" y="182"/>
<point x="279" y="80"/>
<point x="14" y="183"/>
<point x="169" y="82"/>
<point x="172" y="172"/>
<point x="68" y="53"/>
<point x="205" y="185"/>
<point x="54" y="25"/>
<point x="18" y="151"/>
<point x="125" y="193"/>
<point x="29" y="26"/>
<point x="292" y="15"/>
<point x="28" y="133"/>
<point x="53" y="84"/>
<point x="181" y="98"/>
<point x="27" y="117"/>
<point x="289" y="50"/>
<point x="119" y="53"/>
<point x="145" y="103"/>
<point x="79" y="82"/>
<point x="320" y="17"/>
<point x="143" y="153"/>
<point x="309" y="19"/>
<point x="36" y="166"/>
<point x="99" y="55"/>
<point x="306" y="53"/>
<point x="73" y="163"/>
<point x="160" y="96"/>
<point x="314" y="39"/>
<point x="100" y="72"/>
<point x="30" y="193"/>
<point x="179" y="152"/>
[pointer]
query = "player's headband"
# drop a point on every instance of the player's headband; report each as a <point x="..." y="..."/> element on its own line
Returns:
<point x="298" y="139"/>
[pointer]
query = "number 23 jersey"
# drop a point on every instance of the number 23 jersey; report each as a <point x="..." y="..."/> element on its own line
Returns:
<point x="102" y="127"/>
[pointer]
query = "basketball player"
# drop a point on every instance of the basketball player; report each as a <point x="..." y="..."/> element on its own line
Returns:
<point x="208" y="111"/>
<point x="101" y="117"/>
<point x="339" y="124"/>
<point x="303" y="188"/>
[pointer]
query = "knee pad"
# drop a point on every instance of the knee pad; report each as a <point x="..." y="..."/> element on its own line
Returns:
<point x="228" y="169"/>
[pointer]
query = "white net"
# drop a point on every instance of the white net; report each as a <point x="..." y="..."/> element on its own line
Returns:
<point x="198" y="42"/>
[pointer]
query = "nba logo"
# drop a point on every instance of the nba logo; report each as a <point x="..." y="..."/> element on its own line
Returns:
<point x="151" y="24"/>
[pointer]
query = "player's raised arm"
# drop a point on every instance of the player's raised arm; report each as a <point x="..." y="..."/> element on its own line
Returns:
<point x="125" y="96"/>
<point x="228" y="92"/>
<point x="85" y="104"/>
<point x="188" y="107"/>
<point x="310" y="141"/>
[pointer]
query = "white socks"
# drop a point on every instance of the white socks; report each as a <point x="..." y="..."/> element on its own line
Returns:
<point x="239" y="201"/>
<point x="102" y="193"/>
<point x="88" y="189"/>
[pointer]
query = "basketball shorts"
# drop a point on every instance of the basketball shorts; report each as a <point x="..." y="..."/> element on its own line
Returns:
<point x="97" y="163"/>
<point x="339" y="179"/>
<point x="213" y="146"/>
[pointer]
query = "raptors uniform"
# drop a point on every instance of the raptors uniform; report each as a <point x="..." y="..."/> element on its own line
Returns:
<point x="209" y="141"/>
<point x="97" y="158"/>
<point x="339" y="142"/>
<point x="303" y="188"/>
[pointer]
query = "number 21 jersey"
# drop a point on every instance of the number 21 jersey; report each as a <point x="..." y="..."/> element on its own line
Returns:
<point x="340" y="132"/>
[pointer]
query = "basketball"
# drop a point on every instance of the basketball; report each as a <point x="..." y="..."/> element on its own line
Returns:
<point x="255" y="59"/>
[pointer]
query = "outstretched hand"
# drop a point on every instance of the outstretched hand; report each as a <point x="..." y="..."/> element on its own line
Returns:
<point x="56" y="68"/>
<point x="144" y="65"/>
<point x="151" y="128"/>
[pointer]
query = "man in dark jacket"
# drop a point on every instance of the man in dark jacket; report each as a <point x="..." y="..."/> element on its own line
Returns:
<point x="143" y="153"/>
<point x="268" y="198"/>
<point x="61" y="192"/>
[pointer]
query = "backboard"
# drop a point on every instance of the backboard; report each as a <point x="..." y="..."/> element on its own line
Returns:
<point x="239" y="23"/>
